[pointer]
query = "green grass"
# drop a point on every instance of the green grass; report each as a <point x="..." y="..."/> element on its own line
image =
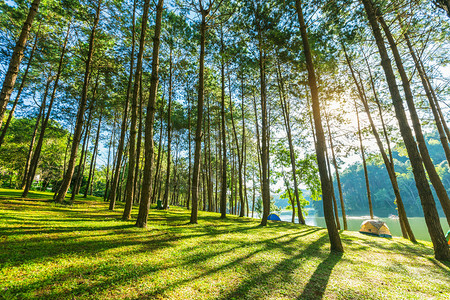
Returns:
<point x="85" y="251"/>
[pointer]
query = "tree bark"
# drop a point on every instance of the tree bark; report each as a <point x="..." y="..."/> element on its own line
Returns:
<point x="427" y="88"/>
<point x="33" y="136"/>
<point x="137" y="173"/>
<point x="144" y="203"/>
<point x="80" y="116"/>
<point x="335" y="241"/>
<point x="133" y="131"/>
<point x="80" y="171"/>
<point x="363" y="156"/>
<point x="169" y="134"/>
<point x="428" y="163"/>
<point x="335" y="208"/>
<point x="19" y="91"/>
<point x="158" y="161"/>
<point x="123" y="129"/>
<point x="37" y="152"/>
<point x="239" y="154"/>
<point x="430" y="212"/>
<point x="14" y="63"/>
<point x="287" y="125"/>
<point x="338" y="179"/>
<point x="198" y="130"/>
<point x="264" y="133"/>
<point x="94" y="155"/>
<point x="223" y="192"/>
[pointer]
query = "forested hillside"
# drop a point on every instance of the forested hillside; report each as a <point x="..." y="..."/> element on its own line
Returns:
<point x="354" y="189"/>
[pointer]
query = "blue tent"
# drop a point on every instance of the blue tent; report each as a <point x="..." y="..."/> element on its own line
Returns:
<point x="273" y="217"/>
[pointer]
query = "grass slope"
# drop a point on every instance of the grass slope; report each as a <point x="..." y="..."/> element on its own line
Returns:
<point x="84" y="251"/>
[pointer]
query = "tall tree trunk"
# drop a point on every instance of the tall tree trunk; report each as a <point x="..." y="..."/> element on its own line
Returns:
<point x="404" y="223"/>
<point x="198" y="130"/>
<point x="14" y="63"/>
<point x="363" y="156"/>
<point x="144" y="203"/>
<point x="169" y="134"/>
<point x="37" y="152"/>
<point x="338" y="179"/>
<point x="189" y="151"/>
<point x="223" y="192"/>
<point x="19" y="91"/>
<point x="33" y="136"/>
<point x="94" y="155"/>
<point x="133" y="131"/>
<point x="158" y="161"/>
<point x="209" y="168"/>
<point x="426" y="197"/>
<point x="80" y="171"/>
<point x="335" y="207"/>
<point x="123" y="128"/>
<point x="137" y="177"/>
<point x="239" y="154"/>
<point x="105" y="195"/>
<point x="80" y="116"/>
<point x="335" y="241"/>
<point x="264" y="132"/>
<point x="428" y="163"/>
<point x="287" y="125"/>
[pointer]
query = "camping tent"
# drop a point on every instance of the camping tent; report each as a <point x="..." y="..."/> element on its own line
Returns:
<point x="375" y="227"/>
<point x="273" y="217"/>
<point x="448" y="237"/>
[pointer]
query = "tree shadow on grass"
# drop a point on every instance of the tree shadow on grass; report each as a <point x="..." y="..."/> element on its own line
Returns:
<point x="318" y="281"/>
<point x="101" y="276"/>
<point x="279" y="274"/>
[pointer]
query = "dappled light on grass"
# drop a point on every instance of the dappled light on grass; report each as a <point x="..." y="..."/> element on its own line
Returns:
<point x="52" y="251"/>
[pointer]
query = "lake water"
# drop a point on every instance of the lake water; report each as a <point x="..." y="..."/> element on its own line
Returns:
<point x="418" y="225"/>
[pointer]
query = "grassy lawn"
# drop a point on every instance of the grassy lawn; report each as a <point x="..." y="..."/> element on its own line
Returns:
<point x="84" y="251"/>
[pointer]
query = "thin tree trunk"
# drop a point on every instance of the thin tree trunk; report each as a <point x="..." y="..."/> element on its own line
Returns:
<point x="37" y="152"/>
<point x="14" y="63"/>
<point x="264" y="134"/>
<point x="335" y="241"/>
<point x="223" y="192"/>
<point x="428" y="163"/>
<point x="427" y="88"/>
<point x="239" y="154"/>
<point x="209" y="168"/>
<point x="94" y="155"/>
<point x="286" y="117"/>
<point x="158" y="161"/>
<point x="133" y="131"/>
<point x="169" y="134"/>
<point x="430" y="212"/>
<point x="189" y="150"/>
<point x="137" y="177"/>
<point x="338" y="179"/>
<point x="105" y="195"/>
<point x="144" y="204"/>
<point x="363" y="156"/>
<point x="198" y="130"/>
<point x="80" y="171"/>
<point x="404" y="223"/>
<point x="335" y="208"/>
<point x="123" y="129"/>
<point x="80" y="116"/>
<point x="33" y="136"/>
